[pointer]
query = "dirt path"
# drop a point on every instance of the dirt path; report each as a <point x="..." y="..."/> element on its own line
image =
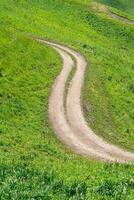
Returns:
<point x="102" y="8"/>
<point x="121" y="18"/>
<point x="70" y="126"/>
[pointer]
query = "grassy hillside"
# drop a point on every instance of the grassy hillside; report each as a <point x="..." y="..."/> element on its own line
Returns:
<point x="33" y="164"/>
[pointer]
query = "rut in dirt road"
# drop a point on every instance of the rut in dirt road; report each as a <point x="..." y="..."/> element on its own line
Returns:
<point x="68" y="121"/>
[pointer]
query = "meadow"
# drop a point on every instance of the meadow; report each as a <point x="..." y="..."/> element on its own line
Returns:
<point x="33" y="163"/>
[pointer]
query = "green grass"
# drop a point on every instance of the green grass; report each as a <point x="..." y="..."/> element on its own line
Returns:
<point x="28" y="70"/>
<point x="34" y="164"/>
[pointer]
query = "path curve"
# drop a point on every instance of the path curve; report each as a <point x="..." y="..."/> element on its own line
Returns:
<point x="106" y="9"/>
<point x="121" y="18"/>
<point x="68" y="120"/>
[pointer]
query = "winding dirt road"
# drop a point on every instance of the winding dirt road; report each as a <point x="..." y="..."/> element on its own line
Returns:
<point x="68" y="121"/>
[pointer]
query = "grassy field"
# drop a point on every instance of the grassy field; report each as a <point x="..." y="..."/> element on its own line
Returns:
<point x="33" y="163"/>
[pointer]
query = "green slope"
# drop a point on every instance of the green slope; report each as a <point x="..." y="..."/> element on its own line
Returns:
<point x="34" y="165"/>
